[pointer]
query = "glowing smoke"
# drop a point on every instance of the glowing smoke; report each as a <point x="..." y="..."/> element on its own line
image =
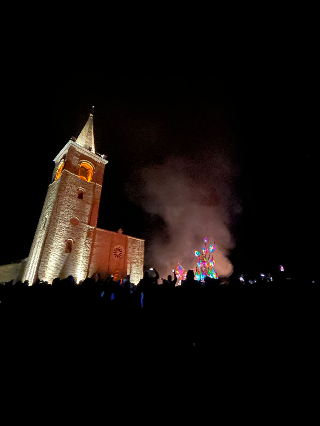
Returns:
<point x="183" y="163"/>
<point x="195" y="199"/>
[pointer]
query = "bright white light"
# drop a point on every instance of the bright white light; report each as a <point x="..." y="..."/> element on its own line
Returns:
<point x="262" y="275"/>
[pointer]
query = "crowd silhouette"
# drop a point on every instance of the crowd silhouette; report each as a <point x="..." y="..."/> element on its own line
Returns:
<point x="157" y="351"/>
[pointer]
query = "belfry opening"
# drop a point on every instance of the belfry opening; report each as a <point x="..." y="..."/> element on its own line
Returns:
<point x="85" y="171"/>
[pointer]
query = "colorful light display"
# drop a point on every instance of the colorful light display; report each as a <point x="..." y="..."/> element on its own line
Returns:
<point x="180" y="274"/>
<point x="205" y="264"/>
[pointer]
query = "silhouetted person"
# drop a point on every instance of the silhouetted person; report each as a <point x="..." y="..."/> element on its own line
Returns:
<point x="211" y="282"/>
<point x="148" y="281"/>
<point x="126" y="283"/>
<point x="56" y="282"/>
<point x="190" y="282"/>
<point x="147" y="285"/>
<point x="171" y="282"/>
<point x="144" y="282"/>
<point x="154" y="279"/>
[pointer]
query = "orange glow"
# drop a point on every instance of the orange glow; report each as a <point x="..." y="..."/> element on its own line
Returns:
<point x="59" y="170"/>
<point x="85" y="171"/>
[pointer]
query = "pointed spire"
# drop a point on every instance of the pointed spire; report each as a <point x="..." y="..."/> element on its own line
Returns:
<point x="86" y="138"/>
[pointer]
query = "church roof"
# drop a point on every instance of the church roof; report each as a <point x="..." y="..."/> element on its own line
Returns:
<point x="86" y="138"/>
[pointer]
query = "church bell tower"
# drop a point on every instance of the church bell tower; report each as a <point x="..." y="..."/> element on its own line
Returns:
<point x="63" y="240"/>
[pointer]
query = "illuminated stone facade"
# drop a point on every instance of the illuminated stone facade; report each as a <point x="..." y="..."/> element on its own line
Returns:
<point x="12" y="272"/>
<point x="67" y="240"/>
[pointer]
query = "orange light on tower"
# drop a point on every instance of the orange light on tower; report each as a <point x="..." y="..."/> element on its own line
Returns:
<point x="60" y="168"/>
<point x="85" y="171"/>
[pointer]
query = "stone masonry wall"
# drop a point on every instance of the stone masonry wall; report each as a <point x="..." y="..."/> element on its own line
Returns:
<point x="76" y="154"/>
<point x="135" y="260"/>
<point x="55" y="261"/>
<point x="66" y="217"/>
<point x="12" y="271"/>
<point x="40" y="234"/>
<point x="9" y="272"/>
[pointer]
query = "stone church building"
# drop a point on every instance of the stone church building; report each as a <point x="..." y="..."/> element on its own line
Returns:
<point x="67" y="240"/>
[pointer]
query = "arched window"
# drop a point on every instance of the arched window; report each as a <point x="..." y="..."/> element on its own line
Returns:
<point x="60" y="168"/>
<point x="80" y="193"/>
<point x="69" y="242"/>
<point x="85" y="171"/>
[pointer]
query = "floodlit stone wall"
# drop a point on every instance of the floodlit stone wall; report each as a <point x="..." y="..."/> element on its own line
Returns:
<point x="73" y="154"/>
<point x="40" y="234"/>
<point x="65" y="216"/>
<point x="135" y="260"/>
<point x="67" y="241"/>
<point x="69" y="220"/>
<point x="114" y="253"/>
<point x="10" y="272"/>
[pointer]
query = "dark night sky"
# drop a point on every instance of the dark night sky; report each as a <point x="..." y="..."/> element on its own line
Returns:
<point x="154" y="100"/>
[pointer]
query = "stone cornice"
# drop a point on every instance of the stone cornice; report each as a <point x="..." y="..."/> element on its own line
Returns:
<point x="84" y="151"/>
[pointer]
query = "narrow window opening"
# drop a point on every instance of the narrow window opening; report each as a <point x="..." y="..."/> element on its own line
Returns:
<point x="80" y="194"/>
<point x="59" y="171"/>
<point x="69" y="245"/>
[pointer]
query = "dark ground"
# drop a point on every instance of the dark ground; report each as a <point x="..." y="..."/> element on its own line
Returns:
<point x="81" y="357"/>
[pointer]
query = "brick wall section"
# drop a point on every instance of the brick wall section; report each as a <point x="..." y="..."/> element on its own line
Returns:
<point x="76" y="154"/>
<point x="73" y="154"/>
<point x="103" y="260"/>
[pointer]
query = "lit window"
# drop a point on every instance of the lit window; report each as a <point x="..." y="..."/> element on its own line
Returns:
<point x="85" y="171"/>
<point x="58" y="174"/>
<point x="69" y="245"/>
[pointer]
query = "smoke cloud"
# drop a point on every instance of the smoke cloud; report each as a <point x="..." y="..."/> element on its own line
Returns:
<point x="183" y="169"/>
<point x="195" y="198"/>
